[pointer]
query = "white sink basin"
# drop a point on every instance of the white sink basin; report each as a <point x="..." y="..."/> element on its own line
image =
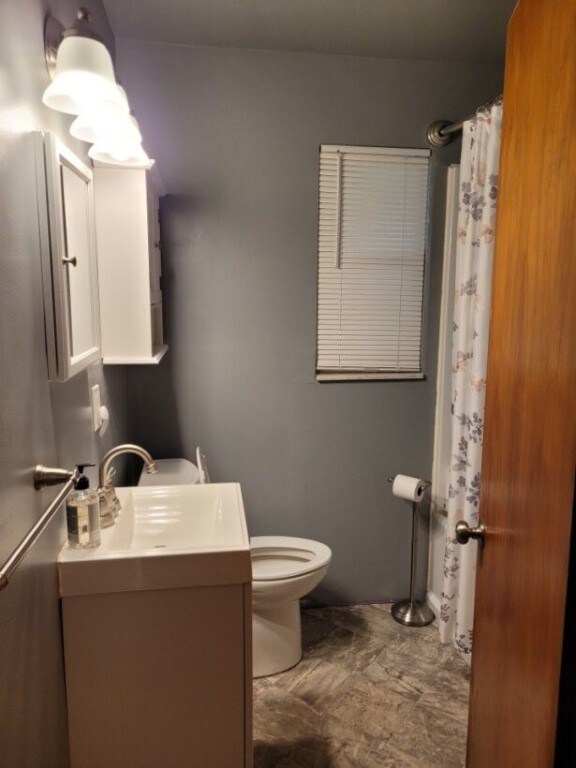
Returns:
<point x="178" y="517"/>
<point x="164" y="537"/>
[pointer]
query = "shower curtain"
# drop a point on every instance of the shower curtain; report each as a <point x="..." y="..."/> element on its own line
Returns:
<point x="475" y="232"/>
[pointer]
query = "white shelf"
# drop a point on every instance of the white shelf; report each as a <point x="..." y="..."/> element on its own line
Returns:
<point x="157" y="355"/>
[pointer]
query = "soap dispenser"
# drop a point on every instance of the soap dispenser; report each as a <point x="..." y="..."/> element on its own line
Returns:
<point x="83" y="514"/>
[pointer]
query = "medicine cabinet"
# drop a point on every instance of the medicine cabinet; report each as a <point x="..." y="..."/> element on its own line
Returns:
<point x="68" y="252"/>
<point x="129" y="264"/>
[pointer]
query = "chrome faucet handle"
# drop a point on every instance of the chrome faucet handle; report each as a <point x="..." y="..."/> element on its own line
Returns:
<point x="112" y="498"/>
<point x="103" y="505"/>
<point x="109" y="504"/>
<point x="110" y="475"/>
<point x="106" y="514"/>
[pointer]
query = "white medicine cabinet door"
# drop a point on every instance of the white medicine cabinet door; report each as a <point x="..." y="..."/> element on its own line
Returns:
<point x="69" y="267"/>
<point x="129" y="263"/>
<point x="154" y="245"/>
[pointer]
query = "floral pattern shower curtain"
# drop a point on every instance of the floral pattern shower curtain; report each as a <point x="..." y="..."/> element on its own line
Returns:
<point x="476" y="224"/>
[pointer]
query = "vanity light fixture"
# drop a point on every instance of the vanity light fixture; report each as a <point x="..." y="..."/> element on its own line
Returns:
<point x="84" y="84"/>
<point x="81" y="68"/>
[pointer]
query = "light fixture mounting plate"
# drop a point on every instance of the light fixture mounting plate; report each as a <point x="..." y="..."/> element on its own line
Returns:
<point x="53" y="34"/>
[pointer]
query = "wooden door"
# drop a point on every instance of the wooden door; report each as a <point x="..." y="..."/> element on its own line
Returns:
<point x="530" y="446"/>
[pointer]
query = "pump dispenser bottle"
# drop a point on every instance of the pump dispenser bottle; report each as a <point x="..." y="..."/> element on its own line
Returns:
<point x="83" y="514"/>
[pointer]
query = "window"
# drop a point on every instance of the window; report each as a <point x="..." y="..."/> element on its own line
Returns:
<point x="371" y="258"/>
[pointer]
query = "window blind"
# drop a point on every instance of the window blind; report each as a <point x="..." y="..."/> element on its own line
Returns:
<point x="371" y="258"/>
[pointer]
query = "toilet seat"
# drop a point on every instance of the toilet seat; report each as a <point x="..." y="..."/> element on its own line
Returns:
<point x="286" y="557"/>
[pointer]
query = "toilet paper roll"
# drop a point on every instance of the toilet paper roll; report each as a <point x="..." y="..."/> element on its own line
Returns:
<point x="410" y="488"/>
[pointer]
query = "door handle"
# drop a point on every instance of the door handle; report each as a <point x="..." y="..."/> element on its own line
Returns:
<point x="464" y="533"/>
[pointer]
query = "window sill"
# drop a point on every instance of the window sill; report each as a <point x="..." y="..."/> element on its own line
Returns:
<point x="359" y="376"/>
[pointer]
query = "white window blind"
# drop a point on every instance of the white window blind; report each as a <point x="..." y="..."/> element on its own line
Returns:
<point x="371" y="258"/>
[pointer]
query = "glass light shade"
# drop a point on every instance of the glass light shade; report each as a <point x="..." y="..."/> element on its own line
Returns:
<point x="106" y="126"/>
<point x="104" y="119"/>
<point x="84" y="78"/>
<point x="123" y="154"/>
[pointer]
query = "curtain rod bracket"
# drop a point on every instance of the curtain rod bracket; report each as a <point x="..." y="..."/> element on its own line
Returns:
<point x="435" y="135"/>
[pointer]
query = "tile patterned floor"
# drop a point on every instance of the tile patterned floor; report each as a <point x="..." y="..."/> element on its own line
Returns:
<point x="369" y="693"/>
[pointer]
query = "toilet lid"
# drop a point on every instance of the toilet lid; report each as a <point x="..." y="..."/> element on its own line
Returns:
<point x="284" y="557"/>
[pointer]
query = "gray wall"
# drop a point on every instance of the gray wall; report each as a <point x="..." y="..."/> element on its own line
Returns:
<point x="40" y="422"/>
<point x="236" y="135"/>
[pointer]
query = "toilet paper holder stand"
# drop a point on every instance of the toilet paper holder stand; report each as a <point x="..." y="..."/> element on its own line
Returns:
<point x="412" y="612"/>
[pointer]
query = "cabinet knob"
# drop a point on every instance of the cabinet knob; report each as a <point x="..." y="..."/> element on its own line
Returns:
<point x="73" y="261"/>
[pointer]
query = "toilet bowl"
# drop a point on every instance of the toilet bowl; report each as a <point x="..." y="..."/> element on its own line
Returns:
<point x="284" y="569"/>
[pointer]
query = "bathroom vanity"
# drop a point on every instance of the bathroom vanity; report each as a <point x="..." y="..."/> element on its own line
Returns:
<point x="157" y="633"/>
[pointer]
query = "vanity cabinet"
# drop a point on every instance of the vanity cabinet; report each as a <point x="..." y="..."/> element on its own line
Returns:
<point x="159" y="678"/>
<point x="129" y="265"/>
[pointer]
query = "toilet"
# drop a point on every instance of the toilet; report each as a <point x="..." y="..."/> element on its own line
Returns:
<point x="284" y="569"/>
<point x="171" y="472"/>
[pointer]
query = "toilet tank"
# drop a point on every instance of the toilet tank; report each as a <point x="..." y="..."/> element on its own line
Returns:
<point x="171" y="472"/>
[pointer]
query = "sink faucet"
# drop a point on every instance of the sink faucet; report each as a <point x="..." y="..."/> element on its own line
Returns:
<point x="109" y="502"/>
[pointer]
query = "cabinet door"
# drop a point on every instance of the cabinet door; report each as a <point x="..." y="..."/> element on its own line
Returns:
<point x="68" y="242"/>
<point x="154" y="244"/>
<point x="176" y="661"/>
<point x="129" y="260"/>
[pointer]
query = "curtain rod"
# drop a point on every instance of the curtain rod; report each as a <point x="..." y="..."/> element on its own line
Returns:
<point x="441" y="132"/>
